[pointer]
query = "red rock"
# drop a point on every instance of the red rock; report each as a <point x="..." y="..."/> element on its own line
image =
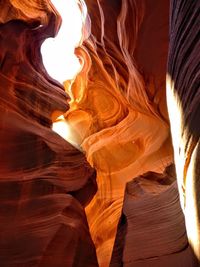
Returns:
<point x="44" y="181"/>
<point x="117" y="115"/>
<point x="152" y="228"/>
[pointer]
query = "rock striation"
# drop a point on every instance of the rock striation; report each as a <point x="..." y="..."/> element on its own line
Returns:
<point x="86" y="176"/>
<point x="45" y="182"/>
<point x="151" y="231"/>
<point x="118" y="112"/>
<point x="183" y="88"/>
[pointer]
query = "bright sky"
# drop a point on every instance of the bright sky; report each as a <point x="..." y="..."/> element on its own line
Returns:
<point x="58" y="53"/>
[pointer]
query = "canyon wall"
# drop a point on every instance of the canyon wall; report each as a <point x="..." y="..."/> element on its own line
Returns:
<point x="104" y="193"/>
<point x="45" y="182"/>
<point x="183" y="88"/>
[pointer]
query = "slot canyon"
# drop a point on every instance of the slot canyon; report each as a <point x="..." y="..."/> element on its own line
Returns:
<point x="100" y="133"/>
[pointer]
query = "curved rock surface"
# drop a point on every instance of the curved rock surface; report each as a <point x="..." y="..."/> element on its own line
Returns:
<point x="152" y="225"/>
<point x="55" y="209"/>
<point x="183" y="97"/>
<point x="44" y="181"/>
<point x="118" y="109"/>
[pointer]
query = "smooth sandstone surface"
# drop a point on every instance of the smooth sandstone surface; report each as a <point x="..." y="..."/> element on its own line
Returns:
<point x="45" y="182"/>
<point x="151" y="231"/>
<point x="111" y="202"/>
<point x="118" y="108"/>
<point x="183" y="99"/>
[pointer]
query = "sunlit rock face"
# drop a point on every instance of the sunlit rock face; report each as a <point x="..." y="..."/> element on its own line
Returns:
<point x="183" y="96"/>
<point x="115" y="203"/>
<point x="118" y="110"/>
<point x="44" y="181"/>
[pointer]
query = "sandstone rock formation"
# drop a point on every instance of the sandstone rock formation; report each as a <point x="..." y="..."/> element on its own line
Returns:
<point x="95" y="206"/>
<point x="118" y="107"/>
<point x="183" y="88"/>
<point x="151" y="231"/>
<point x="44" y="181"/>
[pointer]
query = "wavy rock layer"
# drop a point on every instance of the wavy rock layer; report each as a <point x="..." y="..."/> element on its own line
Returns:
<point x="117" y="115"/>
<point x="151" y="231"/>
<point x="44" y="181"/>
<point x="118" y="110"/>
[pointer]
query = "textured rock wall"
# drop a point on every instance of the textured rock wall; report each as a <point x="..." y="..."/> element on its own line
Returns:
<point x="151" y="231"/>
<point x="183" y="88"/>
<point x="44" y="181"/>
<point x="116" y="111"/>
